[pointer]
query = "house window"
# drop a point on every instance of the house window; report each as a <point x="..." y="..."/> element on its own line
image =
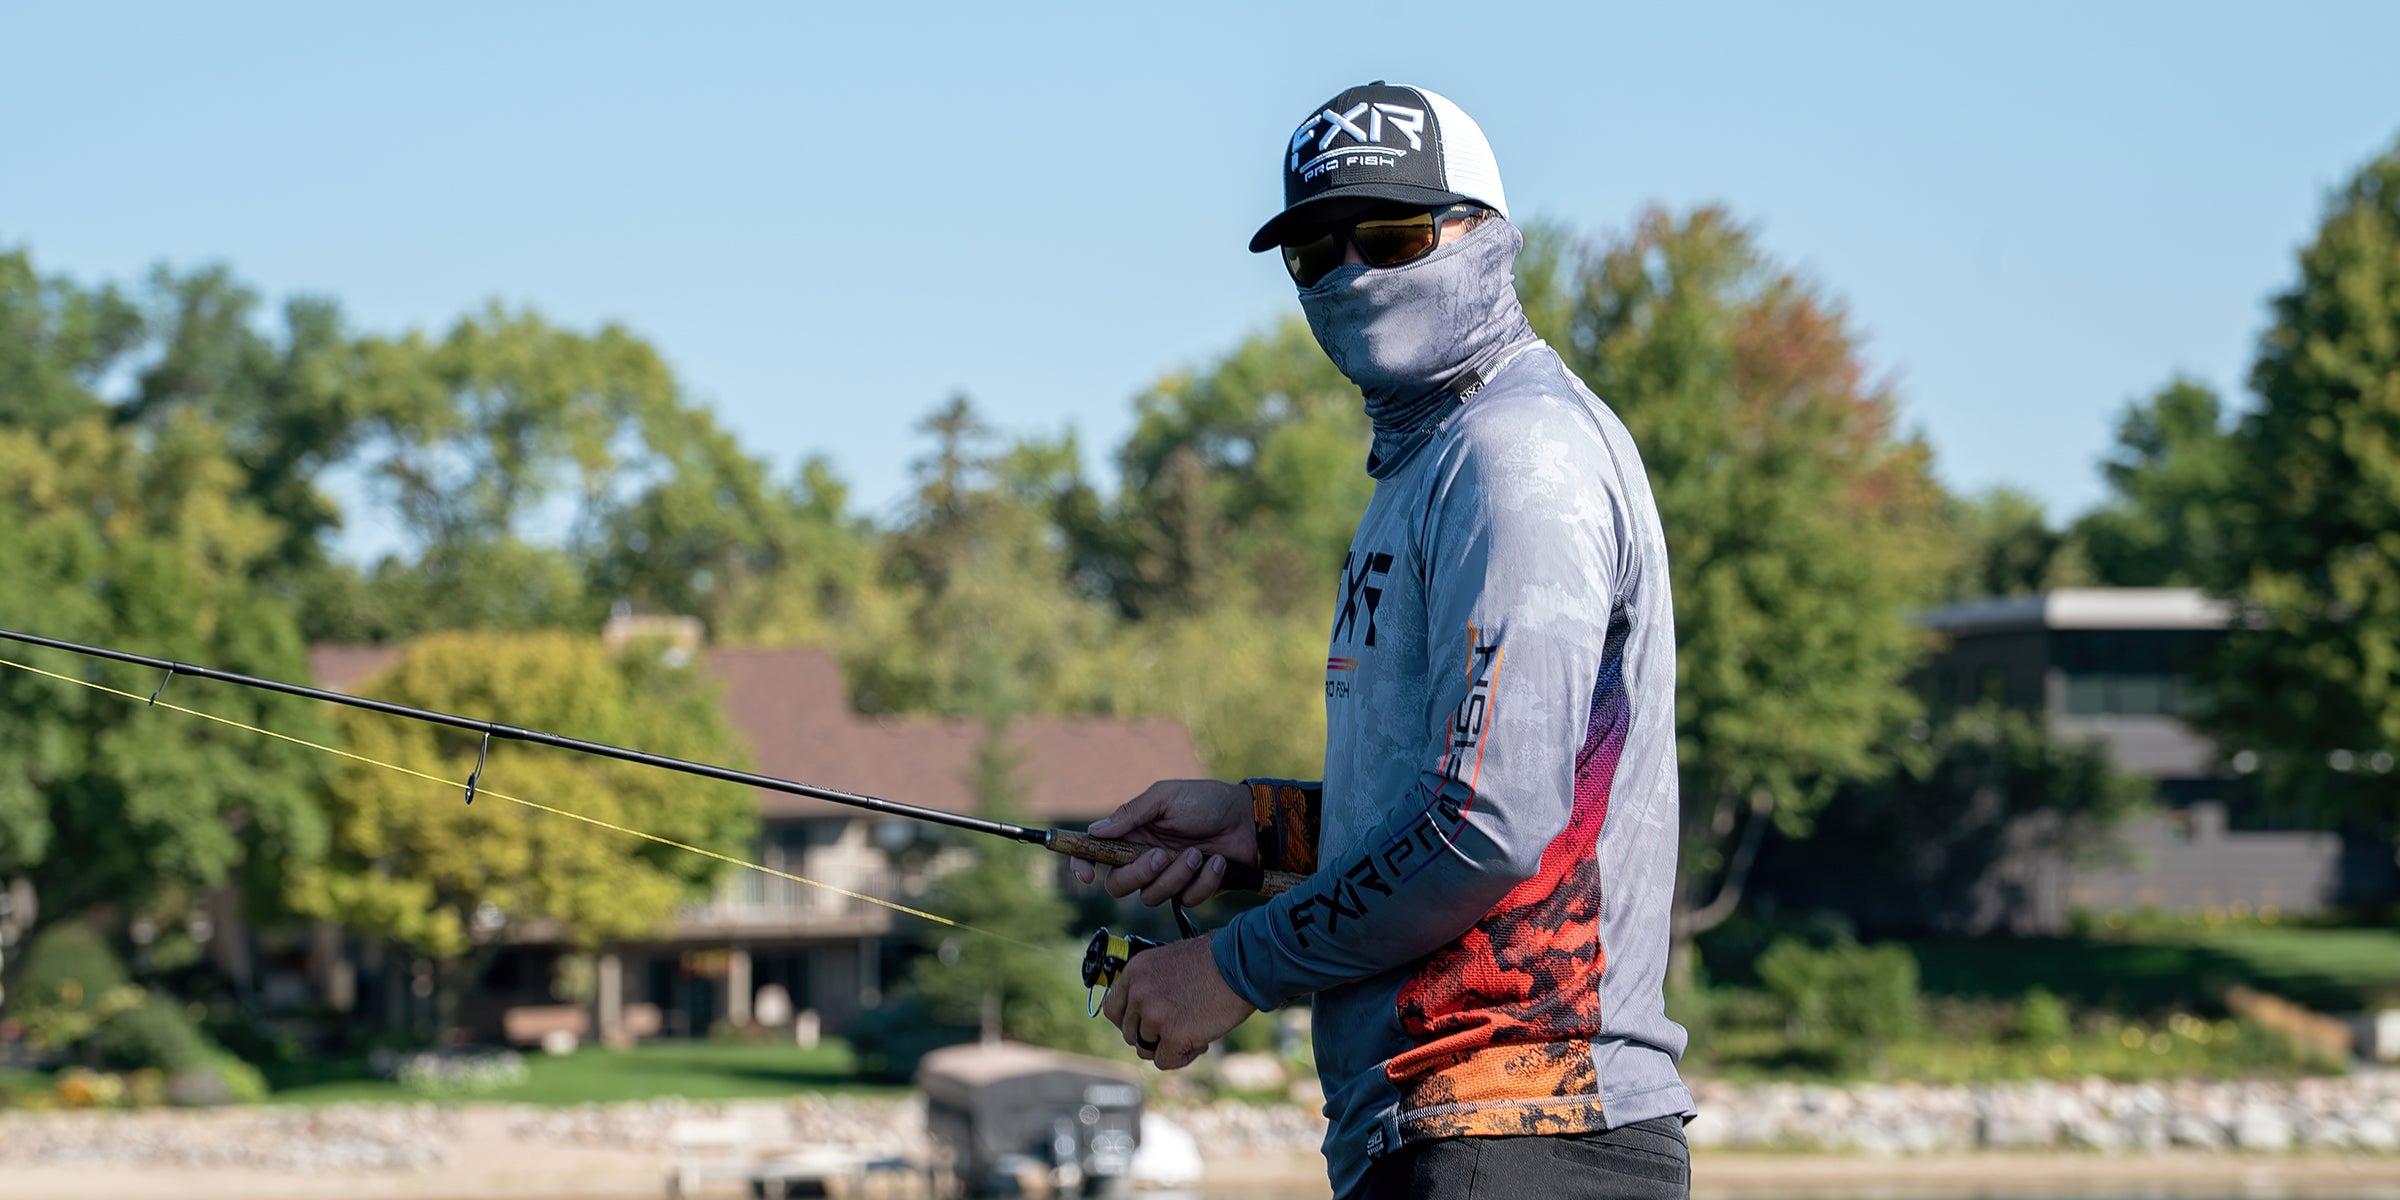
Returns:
<point x="2130" y="695"/>
<point x="2129" y="672"/>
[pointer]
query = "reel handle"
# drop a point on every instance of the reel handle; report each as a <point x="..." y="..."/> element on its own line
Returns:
<point x="1242" y="877"/>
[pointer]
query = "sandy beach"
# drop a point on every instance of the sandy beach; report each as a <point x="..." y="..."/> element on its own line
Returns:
<point x="491" y="1166"/>
<point x="1731" y="1174"/>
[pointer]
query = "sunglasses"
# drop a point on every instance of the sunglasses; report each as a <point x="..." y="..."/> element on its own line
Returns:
<point x="1386" y="241"/>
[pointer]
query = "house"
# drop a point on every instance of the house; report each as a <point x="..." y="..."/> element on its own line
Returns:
<point x="2116" y="666"/>
<point x="2109" y="665"/>
<point x="823" y="951"/>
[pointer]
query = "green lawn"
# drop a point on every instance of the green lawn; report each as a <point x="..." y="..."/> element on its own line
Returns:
<point x="695" y="1070"/>
<point x="2332" y="970"/>
<point x="2350" y="964"/>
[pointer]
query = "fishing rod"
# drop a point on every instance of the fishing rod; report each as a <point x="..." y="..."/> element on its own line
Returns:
<point x="1073" y="843"/>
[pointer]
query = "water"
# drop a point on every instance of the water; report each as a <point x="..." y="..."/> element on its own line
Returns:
<point x="1857" y="1191"/>
<point x="1874" y="1192"/>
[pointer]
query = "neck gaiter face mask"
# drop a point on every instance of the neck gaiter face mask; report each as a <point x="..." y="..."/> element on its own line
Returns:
<point x="1411" y="336"/>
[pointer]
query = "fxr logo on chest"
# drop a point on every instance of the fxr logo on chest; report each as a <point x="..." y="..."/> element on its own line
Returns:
<point x="1360" y="576"/>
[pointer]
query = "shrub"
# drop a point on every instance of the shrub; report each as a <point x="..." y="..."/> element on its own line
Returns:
<point x="71" y="984"/>
<point x="154" y="1033"/>
<point x="146" y="1088"/>
<point x="65" y="959"/>
<point x="888" y="1041"/>
<point x="80" y="1087"/>
<point x="242" y="1082"/>
<point x="1728" y="954"/>
<point x="2041" y="1018"/>
<point x="1846" y="1003"/>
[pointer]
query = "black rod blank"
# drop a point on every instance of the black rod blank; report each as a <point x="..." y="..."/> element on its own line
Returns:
<point x="493" y="729"/>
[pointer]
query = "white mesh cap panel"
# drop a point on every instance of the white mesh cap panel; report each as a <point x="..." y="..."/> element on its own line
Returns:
<point x="1468" y="167"/>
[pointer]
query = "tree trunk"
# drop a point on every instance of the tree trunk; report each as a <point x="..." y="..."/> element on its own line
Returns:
<point x="453" y="978"/>
<point x="1693" y="918"/>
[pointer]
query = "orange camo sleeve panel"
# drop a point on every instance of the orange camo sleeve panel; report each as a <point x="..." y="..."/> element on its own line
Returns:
<point x="1285" y="817"/>
<point x="1503" y="1018"/>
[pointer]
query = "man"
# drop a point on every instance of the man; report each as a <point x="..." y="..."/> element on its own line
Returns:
<point x="1491" y="853"/>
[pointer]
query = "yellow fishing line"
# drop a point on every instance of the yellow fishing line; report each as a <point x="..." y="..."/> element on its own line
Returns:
<point x="481" y="790"/>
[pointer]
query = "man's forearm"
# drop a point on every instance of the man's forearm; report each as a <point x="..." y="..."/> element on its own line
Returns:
<point x="1418" y="882"/>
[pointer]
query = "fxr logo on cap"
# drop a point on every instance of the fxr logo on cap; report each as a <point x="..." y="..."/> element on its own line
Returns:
<point x="1410" y="122"/>
<point x="1383" y="142"/>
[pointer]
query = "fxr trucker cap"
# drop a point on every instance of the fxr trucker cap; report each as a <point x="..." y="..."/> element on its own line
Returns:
<point x="1384" y="142"/>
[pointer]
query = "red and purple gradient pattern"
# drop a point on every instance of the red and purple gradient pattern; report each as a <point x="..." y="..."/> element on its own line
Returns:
<point x="1503" y="1018"/>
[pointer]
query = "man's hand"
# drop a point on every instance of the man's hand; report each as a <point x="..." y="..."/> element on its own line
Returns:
<point x="1197" y="825"/>
<point x="1170" y="1003"/>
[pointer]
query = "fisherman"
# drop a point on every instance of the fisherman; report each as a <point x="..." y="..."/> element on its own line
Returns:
<point x="1491" y="852"/>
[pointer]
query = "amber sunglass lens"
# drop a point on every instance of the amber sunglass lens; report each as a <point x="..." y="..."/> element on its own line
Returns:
<point x="1390" y="243"/>
<point x="1313" y="260"/>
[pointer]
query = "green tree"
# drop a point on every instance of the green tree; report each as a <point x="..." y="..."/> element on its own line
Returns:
<point x="2006" y="547"/>
<point x="1801" y="526"/>
<point x="1022" y="989"/>
<point x="2170" y="479"/>
<point x="413" y="864"/>
<point x="1845" y="1004"/>
<point x="502" y="445"/>
<point x="476" y="431"/>
<point x="979" y="619"/>
<point x="286" y="403"/>
<point x="2310" y="680"/>
<point x="1974" y="790"/>
<point x="712" y="536"/>
<point x="145" y="541"/>
<point x="56" y="341"/>
<point x="1241" y="676"/>
<point x="1253" y="467"/>
<point x="1241" y="484"/>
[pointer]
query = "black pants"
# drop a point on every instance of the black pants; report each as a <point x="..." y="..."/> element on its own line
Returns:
<point x="1647" y="1160"/>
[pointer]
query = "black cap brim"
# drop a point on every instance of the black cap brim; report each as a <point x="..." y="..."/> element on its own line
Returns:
<point x="1270" y="235"/>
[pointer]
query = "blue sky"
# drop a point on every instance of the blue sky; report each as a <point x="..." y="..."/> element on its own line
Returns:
<point x="829" y="220"/>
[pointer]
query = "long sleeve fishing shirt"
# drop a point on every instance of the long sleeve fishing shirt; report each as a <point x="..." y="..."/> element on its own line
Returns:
<point x="1492" y="848"/>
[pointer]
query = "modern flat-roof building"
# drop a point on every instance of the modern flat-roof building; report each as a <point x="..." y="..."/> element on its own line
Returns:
<point x="2116" y="666"/>
<point x="2112" y="665"/>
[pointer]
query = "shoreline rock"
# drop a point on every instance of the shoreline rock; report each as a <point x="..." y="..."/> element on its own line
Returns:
<point x="2356" y="1114"/>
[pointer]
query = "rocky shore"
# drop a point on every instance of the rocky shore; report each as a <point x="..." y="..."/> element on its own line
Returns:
<point x="2357" y="1113"/>
<point x="419" y="1137"/>
<point x="2353" y="1115"/>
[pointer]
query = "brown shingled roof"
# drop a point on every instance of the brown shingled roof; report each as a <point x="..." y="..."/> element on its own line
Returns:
<point x="342" y="668"/>
<point x="793" y="708"/>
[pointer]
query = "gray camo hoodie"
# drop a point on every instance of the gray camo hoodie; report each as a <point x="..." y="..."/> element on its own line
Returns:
<point x="1493" y="843"/>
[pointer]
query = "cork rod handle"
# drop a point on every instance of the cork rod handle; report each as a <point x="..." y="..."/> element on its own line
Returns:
<point x="1112" y="852"/>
